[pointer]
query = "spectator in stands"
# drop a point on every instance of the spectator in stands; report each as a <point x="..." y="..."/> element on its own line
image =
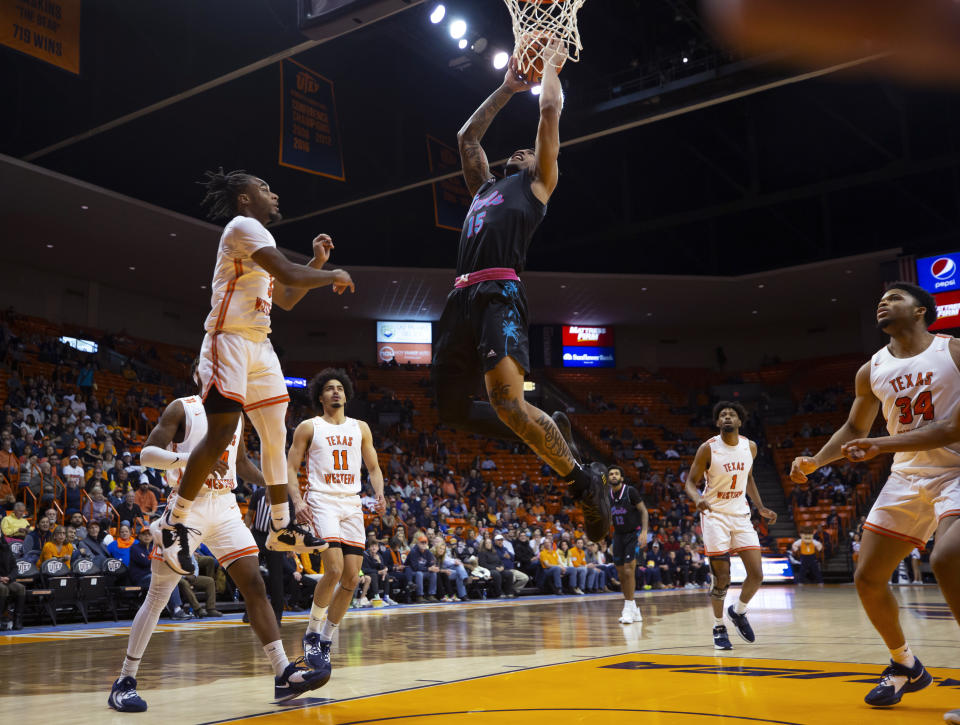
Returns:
<point x="489" y="559"/>
<point x="379" y="573"/>
<point x="128" y="510"/>
<point x="57" y="548"/>
<point x="523" y="553"/>
<point x="15" y="524"/>
<point x="578" y="554"/>
<point x="34" y="541"/>
<point x="88" y="546"/>
<point x="119" y="548"/>
<point x="423" y="569"/>
<point x="146" y="500"/>
<point x="514" y="579"/>
<point x="10" y="588"/>
<point x="138" y="570"/>
<point x="576" y="575"/>
<point x="73" y="471"/>
<point x="550" y="569"/>
<point x="97" y="506"/>
<point x="652" y="571"/>
<point x="298" y="588"/>
<point x="200" y="580"/>
<point x="452" y="575"/>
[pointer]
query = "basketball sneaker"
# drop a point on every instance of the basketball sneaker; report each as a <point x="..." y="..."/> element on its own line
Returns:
<point x="316" y="652"/>
<point x="742" y="625"/>
<point x="630" y="613"/>
<point x="174" y="543"/>
<point x="296" y="680"/>
<point x="720" y="638"/>
<point x="566" y="430"/>
<point x="952" y="716"/>
<point x="124" y="697"/>
<point x="595" y="502"/>
<point x="895" y="681"/>
<point x="295" y="537"/>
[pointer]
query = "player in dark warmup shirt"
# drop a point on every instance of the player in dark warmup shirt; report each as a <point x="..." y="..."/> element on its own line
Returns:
<point x="484" y="323"/>
<point x="629" y="513"/>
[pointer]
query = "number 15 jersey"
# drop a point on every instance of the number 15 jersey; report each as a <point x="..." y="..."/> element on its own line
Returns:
<point x="334" y="458"/>
<point x="914" y="392"/>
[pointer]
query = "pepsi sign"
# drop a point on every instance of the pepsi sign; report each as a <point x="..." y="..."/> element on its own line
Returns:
<point x="939" y="274"/>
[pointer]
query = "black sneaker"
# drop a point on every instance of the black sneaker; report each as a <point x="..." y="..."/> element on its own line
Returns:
<point x="296" y="680"/>
<point x="720" y="638"/>
<point x="316" y="653"/>
<point x="887" y="692"/>
<point x="742" y="625"/>
<point x="566" y="430"/>
<point x="173" y="541"/>
<point x="295" y="537"/>
<point x="595" y="501"/>
<point x="124" y="697"/>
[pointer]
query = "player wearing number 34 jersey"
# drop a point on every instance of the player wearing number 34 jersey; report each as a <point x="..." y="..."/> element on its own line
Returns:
<point x="916" y="381"/>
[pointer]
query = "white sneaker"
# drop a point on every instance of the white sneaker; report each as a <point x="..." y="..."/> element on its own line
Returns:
<point x="952" y="716"/>
<point x="364" y="602"/>
<point x="637" y="617"/>
<point x="626" y="616"/>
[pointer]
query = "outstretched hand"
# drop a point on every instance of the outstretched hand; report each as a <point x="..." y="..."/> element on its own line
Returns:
<point x="802" y="467"/>
<point x="512" y="78"/>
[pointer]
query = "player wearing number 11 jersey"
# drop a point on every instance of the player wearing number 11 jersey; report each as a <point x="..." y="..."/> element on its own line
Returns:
<point x="335" y="446"/>
<point x="725" y="465"/>
<point x="916" y="381"/>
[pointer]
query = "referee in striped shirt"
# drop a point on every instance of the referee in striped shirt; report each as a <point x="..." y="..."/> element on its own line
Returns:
<point x="258" y="520"/>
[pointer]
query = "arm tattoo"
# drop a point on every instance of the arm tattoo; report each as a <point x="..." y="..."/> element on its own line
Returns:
<point x="476" y="169"/>
<point x="499" y="395"/>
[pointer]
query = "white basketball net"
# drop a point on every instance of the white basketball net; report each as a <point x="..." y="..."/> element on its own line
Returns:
<point x="534" y="22"/>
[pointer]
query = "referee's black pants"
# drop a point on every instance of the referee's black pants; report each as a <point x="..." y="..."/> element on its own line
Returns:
<point x="273" y="560"/>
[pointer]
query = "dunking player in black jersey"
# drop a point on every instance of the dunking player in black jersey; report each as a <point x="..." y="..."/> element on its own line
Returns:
<point x="629" y="514"/>
<point x="484" y="323"/>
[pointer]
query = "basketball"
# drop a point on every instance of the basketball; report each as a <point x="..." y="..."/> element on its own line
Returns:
<point x="917" y="39"/>
<point x="530" y="57"/>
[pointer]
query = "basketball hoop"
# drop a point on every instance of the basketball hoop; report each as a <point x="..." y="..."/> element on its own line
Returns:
<point x="535" y="23"/>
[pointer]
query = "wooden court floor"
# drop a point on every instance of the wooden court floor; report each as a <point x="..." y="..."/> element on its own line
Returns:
<point x="544" y="660"/>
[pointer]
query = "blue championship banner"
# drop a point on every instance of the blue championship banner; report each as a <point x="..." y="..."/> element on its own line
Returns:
<point x="309" y="133"/>
<point x="451" y="200"/>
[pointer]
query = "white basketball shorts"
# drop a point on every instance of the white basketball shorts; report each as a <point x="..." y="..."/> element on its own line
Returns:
<point x="215" y="520"/>
<point x="727" y="533"/>
<point x="337" y="519"/>
<point x="242" y="370"/>
<point x="909" y="507"/>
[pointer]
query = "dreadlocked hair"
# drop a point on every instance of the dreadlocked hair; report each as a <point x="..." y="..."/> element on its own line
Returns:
<point x="222" y="192"/>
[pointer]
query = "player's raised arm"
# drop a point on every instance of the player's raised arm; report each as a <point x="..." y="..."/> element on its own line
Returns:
<point x="548" y="132"/>
<point x="859" y="420"/>
<point x="285" y="296"/>
<point x="302" y="438"/>
<point x="476" y="168"/>
<point x="701" y="462"/>
<point x="302" y="276"/>
<point x="369" y="453"/>
<point x="154" y="453"/>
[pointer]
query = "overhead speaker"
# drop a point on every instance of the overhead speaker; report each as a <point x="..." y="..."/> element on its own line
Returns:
<point x="326" y="19"/>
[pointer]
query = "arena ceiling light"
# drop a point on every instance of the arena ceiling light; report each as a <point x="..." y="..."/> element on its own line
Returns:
<point x="458" y="28"/>
<point x="437" y="14"/>
<point x="462" y="44"/>
<point x="500" y="60"/>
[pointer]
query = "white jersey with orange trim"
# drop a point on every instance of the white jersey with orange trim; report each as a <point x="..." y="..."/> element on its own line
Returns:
<point x="335" y="457"/>
<point x="242" y="290"/>
<point x="195" y="428"/>
<point x="725" y="482"/>
<point x="915" y="392"/>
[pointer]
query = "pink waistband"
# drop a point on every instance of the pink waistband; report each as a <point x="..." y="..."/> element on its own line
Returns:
<point x="485" y="275"/>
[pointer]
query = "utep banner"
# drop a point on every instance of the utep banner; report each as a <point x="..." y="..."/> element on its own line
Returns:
<point x="587" y="336"/>
<point x="45" y="29"/>
<point x="309" y="134"/>
<point x="451" y="200"/>
<point x="939" y="274"/>
<point x="948" y="311"/>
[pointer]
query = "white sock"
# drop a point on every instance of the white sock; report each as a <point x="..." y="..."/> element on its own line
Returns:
<point x="326" y="633"/>
<point x="318" y="615"/>
<point x="903" y="656"/>
<point x="740" y="607"/>
<point x="130" y="666"/>
<point x="279" y="514"/>
<point x="276" y="655"/>
<point x="718" y="622"/>
<point x="180" y="511"/>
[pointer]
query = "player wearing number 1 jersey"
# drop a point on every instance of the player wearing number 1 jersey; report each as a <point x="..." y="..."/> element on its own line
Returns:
<point x="725" y="465"/>
<point x="335" y="446"/>
<point x="916" y="381"/>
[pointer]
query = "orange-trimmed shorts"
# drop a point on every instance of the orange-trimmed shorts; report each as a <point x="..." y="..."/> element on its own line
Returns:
<point x="337" y="518"/>
<point x="215" y="520"/>
<point x="242" y="370"/>
<point x="725" y="533"/>
<point x="910" y="507"/>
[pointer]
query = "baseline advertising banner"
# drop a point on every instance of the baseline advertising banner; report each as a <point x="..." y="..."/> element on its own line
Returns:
<point x="775" y="569"/>
<point x="587" y="336"/>
<point x="309" y="135"/>
<point x="45" y="29"/>
<point x="451" y="200"/>
<point x="405" y="342"/>
<point x="939" y="274"/>
<point x="588" y="347"/>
